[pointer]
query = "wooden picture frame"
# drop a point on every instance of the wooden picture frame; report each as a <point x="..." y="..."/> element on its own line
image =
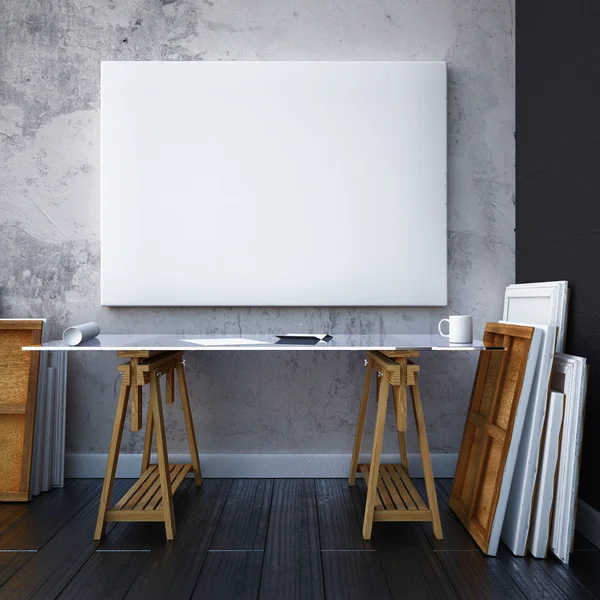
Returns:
<point x="517" y="519"/>
<point x="541" y="515"/>
<point x="544" y="303"/>
<point x="492" y="432"/>
<point x="19" y="372"/>
<point x="569" y="376"/>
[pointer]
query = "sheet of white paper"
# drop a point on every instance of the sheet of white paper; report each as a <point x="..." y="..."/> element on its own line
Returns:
<point x="225" y="342"/>
<point x="319" y="336"/>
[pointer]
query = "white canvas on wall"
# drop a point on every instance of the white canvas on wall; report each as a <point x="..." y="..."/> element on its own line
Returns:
<point x="569" y="376"/>
<point x="515" y="440"/>
<point x="541" y="516"/>
<point x="515" y="530"/>
<point x="543" y="303"/>
<point x="274" y="183"/>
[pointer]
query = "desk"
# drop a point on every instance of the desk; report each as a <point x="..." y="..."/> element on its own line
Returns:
<point x="151" y="356"/>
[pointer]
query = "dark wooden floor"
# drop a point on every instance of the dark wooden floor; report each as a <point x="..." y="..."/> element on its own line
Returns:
<point x="278" y="539"/>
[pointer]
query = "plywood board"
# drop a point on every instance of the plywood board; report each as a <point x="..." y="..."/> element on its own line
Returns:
<point x="541" y="516"/>
<point x="18" y="390"/>
<point x="544" y="303"/>
<point x="263" y="183"/>
<point x="520" y="500"/>
<point x="569" y="376"/>
<point x="492" y="431"/>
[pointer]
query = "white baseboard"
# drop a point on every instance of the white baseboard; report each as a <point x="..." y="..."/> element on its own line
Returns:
<point x="588" y="522"/>
<point x="254" y="465"/>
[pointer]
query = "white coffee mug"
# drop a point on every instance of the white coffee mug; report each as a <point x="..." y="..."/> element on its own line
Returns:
<point x="460" y="329"/>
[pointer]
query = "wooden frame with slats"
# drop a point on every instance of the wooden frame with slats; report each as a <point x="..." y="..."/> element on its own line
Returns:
<point x="151" y="496"/>
<point x="18" y="393"/>
<point x="488" y="428"/>
<point x="391" y="496"/>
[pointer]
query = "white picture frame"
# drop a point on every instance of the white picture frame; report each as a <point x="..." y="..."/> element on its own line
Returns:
<point x="544" y="303"/>
<point x="515" y="440"/>
<point x="569" y="376"/>
<point x="541" y="515"/>
<point x="517" y="519"/>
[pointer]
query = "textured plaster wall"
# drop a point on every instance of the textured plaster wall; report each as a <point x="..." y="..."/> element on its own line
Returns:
<point x="50" y="55"/>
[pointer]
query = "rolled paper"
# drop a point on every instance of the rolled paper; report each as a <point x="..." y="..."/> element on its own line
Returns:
<point x="73" y="336"/>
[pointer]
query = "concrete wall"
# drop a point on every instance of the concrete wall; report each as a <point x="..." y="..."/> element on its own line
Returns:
<point x="50" y="54"/>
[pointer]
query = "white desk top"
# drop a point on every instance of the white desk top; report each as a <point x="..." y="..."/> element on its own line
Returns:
<point x="173" y="342"/>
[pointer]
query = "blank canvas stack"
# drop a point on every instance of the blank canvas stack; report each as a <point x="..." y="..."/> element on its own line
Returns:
<point x="544" y="477"/>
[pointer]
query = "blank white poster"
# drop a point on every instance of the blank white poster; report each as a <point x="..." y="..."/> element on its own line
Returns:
<point x="274" y="184"/>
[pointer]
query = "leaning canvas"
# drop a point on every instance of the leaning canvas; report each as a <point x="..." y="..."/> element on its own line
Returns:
<point x="569" y="376"/>
<point x="543" y="303"/>
<point x="543" y="500"/>
<point x="518" y="510"/>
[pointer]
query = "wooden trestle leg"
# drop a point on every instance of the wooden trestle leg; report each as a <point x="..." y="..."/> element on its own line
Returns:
<point x="391" y="496"/>
<point x="151" y="497"/>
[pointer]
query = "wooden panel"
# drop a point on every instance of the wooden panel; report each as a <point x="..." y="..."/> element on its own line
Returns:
<point x="541" y="580"/>
<point x="341" y="513"/>
<point x="292" y="563"/>
<point x="48" y="515"/>
<point x="413" y="571"/>
<point x="60" y="558"/>
<point x="10" y="563"/>
<point x="172" y="568"/>
<point x="354" y="576"/>
<point x="18" y="393"/>
<point x="229" y="576"/>
<point x="484" y="449"/>
<point x="243" y="525"/>
<point x="476" y="577"/>
<point x="112" y="574"/>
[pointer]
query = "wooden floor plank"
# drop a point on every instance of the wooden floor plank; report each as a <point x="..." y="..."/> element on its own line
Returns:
<point x="411" y="567"/>
<point x="456" y="537"/>
<point x="542" y="579"/>
<point x="340" y="511"/>
<point x="10" y="563"/>
<point x="105" y="575"/>
<point x="475" y="576"/>
<point x="50" y="570"/>
<point x="243" y="524"/>
<point x="585" y="567"/>
<point x="292" y="562"/>
<point x="48" y="513"/>
<point x="354" y="575"/>
<point x="147" y="536"/>
<point x="172" y="568"/>
<point x="313" y="548"/>
<point x="10" y="513"/>
<point x="230" y="575"/>
<point x="444" y="485"/>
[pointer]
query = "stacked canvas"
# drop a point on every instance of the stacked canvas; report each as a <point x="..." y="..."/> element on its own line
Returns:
<point x="542" y="504"/>
<point x="48" y="448"/>
<point x="538" y="483"/>
<point x="48" y="458"/>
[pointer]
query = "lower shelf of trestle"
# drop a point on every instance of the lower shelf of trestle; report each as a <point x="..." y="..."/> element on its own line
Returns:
<point x="143" y="500"/>
<point x="396" y="498"/>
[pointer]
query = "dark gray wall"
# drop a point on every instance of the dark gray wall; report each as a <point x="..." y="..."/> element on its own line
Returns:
<point x="558" y="178"/>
